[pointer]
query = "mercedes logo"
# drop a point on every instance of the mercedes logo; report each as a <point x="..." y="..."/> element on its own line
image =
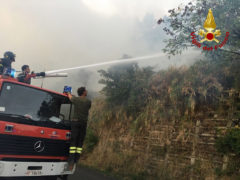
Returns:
<point x="39" y="146"/>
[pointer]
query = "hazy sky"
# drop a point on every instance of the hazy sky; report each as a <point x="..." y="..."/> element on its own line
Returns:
<point x="52" y="34"/>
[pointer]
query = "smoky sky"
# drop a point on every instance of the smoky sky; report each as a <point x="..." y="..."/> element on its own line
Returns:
<point x="56" y="34"/>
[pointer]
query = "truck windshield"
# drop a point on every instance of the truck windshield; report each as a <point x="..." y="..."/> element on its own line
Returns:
<point x="32" y="103"/>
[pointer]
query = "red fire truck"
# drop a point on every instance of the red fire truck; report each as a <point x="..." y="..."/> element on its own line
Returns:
<point x="34" y="131"/>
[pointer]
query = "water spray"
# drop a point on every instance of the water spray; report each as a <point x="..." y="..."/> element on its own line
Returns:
<point x="56" y="75"/>
<point x="117" y="61"/>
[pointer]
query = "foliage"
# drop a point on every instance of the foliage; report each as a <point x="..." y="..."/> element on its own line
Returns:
<point x="190" y="18"/>
<point x="230" y="143"/>
<point x="232" y="169"/>
<point x="91" y="140"/>
<point x="188" y="90"/>
<point x="126" y="85"/>
<point x="173" y="96"/>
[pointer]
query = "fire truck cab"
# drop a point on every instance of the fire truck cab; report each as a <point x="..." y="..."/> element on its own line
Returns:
<point x="34" y="131"/>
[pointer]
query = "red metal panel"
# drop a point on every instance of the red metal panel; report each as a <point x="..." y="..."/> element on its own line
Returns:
<point x="34" y="131"/>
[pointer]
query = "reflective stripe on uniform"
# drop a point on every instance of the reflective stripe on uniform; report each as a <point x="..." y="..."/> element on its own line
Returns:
<point x="79" y="150"/>
<point x="72" y="148"/>
<point x="72" y="151"/>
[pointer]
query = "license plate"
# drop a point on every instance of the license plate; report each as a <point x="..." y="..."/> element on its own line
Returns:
<point x="33" y="173"/>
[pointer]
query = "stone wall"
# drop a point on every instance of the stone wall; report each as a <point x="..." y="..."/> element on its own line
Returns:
<point x="168" y="149"/>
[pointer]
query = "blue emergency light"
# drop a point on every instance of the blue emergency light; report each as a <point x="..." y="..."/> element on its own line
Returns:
<point x="67" y="89"/>
<point x="10" y="72"/>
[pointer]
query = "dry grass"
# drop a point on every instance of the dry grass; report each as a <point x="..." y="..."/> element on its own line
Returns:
<point x="177" y="98"/>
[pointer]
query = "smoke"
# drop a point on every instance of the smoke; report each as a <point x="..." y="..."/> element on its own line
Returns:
<point x="60" y="34"/>
<point x="88" y="76"/>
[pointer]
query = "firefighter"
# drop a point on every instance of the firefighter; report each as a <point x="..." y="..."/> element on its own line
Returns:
<point x="26" y="76"/>
<point x="6" y="61"/>
<point x="79" y="123"/>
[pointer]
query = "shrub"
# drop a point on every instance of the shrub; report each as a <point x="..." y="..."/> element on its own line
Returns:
<point x="230" y="143"/>
<point x="126" y="85"/>
<point x="91" y="140"/>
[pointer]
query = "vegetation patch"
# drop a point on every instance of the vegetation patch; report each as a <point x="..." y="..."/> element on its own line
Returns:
<point x="230" y="142"/>
<point x="91" y="140"/>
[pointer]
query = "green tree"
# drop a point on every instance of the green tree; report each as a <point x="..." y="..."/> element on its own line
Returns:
<point x="126" y="85"/>
<point x="190" y="18"/>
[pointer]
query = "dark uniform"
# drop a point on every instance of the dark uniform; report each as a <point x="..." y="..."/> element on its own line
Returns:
<point x="6" y="62"/>
<point x="26" y="77"/>
<point x="79" y="125"/>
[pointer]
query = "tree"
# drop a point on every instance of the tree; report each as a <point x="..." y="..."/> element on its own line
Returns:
<point x="184" y="20"/>
<point x="126" y="85"/>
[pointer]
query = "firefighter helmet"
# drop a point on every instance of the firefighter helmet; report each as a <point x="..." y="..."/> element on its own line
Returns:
<point x="9" y="55"/>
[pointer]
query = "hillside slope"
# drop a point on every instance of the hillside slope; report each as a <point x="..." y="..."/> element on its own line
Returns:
<point x="174" y="135"/>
